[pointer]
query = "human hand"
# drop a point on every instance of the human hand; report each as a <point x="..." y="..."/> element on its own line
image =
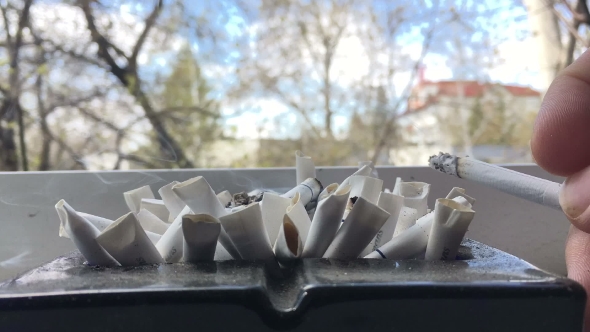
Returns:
<point x="561" y="145"/>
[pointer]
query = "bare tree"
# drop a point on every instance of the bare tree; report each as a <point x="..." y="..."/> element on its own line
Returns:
<point x="11" y="110"/>
<point x="129" y="77"/>
<point x="560" y="29"/>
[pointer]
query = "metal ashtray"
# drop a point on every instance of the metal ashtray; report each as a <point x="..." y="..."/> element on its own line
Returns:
<point x="485" y="289"/>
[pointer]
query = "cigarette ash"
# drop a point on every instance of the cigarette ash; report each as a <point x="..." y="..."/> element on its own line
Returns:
<point x="352" y="219"/>
<point x="244" y="198"/>
<point x="445" y="163"/>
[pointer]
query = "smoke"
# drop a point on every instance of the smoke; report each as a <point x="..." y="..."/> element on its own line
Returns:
<point x="15" y="261"/>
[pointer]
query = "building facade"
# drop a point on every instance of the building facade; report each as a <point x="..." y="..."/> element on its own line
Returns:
<point x="487" y="121"/>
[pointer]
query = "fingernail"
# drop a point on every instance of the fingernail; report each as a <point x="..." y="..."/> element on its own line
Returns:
<point x="575" y="194"/>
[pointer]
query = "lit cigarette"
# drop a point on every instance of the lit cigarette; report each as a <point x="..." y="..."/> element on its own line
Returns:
<point x="361" y="225"/>
<point x="128" y="243"/>
<point x="450" y="224"/>
<point x="308" y="190"/>
<point x="407" y="218"/>
<point x="133" y="197"/>
<point x="200" y="232"/>
<point x="521" y="185"/>
<point x="156" y="207"/>
<point x="84" y="235"/>
<point x="413" y="241"/>
<point x="288" y="245"/>
<point x="246" y="230"/>
<point x="415" y="196"/>
<point x="304" y="167"/>
<point x="173" y="203"/>
<point x="325" y="223"/>
<point x="150" y="222"/>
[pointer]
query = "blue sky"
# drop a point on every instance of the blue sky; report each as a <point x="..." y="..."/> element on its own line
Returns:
<point x="501" y="22"/>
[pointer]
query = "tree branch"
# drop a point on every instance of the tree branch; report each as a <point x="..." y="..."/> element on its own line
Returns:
<point x="569" y="25"/>
<point x="6" y="26"/>
<point x="149" y="23"/>
<point x="103" y="44"/>
<point x="405" y="97"/>
<point x="75" y="156"/>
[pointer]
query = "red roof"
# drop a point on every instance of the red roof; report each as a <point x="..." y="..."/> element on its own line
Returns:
<point x="470" y="89"/>
<point x="475" y="88"/>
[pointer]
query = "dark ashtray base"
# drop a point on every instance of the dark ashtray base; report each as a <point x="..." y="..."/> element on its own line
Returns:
<point x="484" y="290"/>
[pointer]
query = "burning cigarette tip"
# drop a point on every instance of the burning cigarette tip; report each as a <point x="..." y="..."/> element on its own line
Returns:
<point x="445" y="163"/>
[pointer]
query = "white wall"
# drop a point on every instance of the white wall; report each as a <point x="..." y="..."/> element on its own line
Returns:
<point x="29" y="224"/>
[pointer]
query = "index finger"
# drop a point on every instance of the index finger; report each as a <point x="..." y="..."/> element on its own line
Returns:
<point x="561" y="135"/>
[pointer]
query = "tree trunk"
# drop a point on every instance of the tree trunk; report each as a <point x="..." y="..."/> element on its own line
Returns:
<point x="544" y="26"/>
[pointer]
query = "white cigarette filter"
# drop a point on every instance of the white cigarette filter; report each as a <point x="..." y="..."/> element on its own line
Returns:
<point x="325" y="223"/>
<point x="362" y="224"/>
<point x="150" y="222"/>
<point x="102" y="223"/>
<point x="128" y="243"/>
<point x="349" y="206"/>
<point x="221" y="254"/>
<point x="173" y="203"/>
<point x="416" y="196"/>
<point x="171" y="244"/>
<point x="201" y="232"/>
<point x="407" y="218"/>
<point x="304" y="167"/>
<point x="288" y="245"/>
<point x="298" y="215"/>
<point x="451" y="221"/>
<point x="460" y="192"/>
<point x="413" y="241"/>
<point x="83" y="234"/>
<point x="363" y="171"/>
<point x="369" y="163"/>
<point x="366" y="187"/>
<point x="397" y="186"/>
<point x="98" y="222"/>
<point x="308" y="190"/>
<point x="329" y="190"/>
<point x="393" y="204"/>
<point x="133" y="197"/>
<point x="224" y="197"/>
<point x="273" y="209"/>
<point x="156" y="207"/>
<point x="246" y="230"/>
<point x="198" y="195"/>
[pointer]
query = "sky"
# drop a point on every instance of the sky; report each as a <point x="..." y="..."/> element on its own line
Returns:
<point x="519" y="67"/>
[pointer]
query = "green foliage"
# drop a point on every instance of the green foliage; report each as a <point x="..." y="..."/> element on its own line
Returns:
<point x="187" y="109"/>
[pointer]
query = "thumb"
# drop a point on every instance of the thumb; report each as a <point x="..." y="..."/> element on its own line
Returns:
<point x="574" y="199"/>
<point x="577" y="251"/>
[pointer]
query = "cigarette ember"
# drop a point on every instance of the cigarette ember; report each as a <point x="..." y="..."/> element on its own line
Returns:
<point x="356" y="218"/>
